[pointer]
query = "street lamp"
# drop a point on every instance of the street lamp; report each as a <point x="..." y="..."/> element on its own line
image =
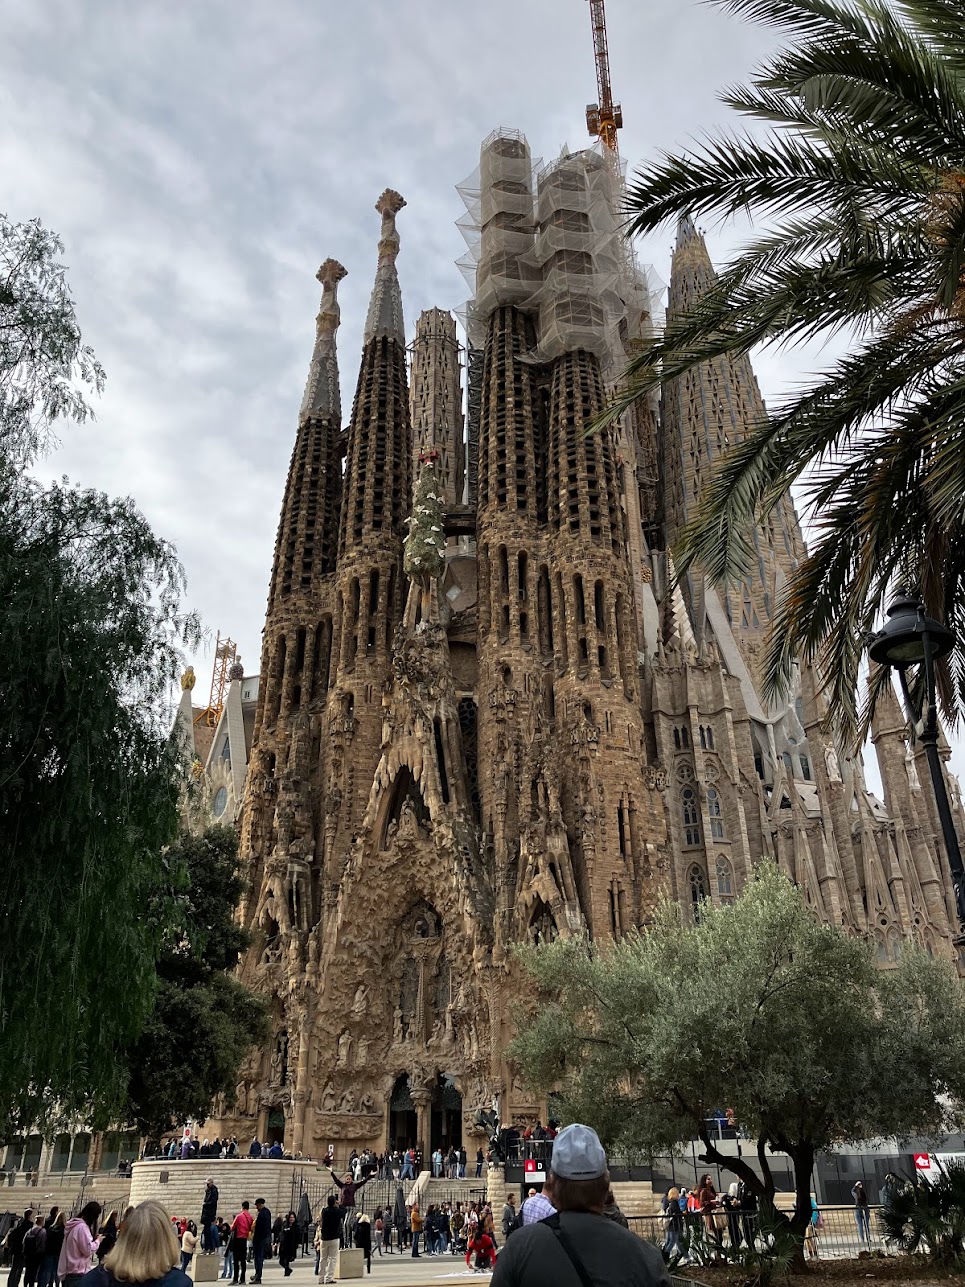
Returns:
<point x="909" y="638"/>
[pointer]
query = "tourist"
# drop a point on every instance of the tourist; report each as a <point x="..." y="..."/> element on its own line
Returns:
<point x="349" y="1187"/>
<point x="227" y="1262"/>
<point x="209" y="1213"/>
<point x="189" y="1244"/>
<point x="811" y="1232"/>
<point x="675" y="1222"/>
<point x="509" y="1214"/>
<point x="408" y="1165"/>
<point x="548" y="1252"/>
<point x="34" y="1242"/>
<point x="862" y="1213"/>
<point x="80" y="1243"/>
<point x="14" y="1246"/>
<point x="288" y="1244"/>
<point x="254" y="1149"/>
<point x="108" y="1237"/>
<point x="276" y="1231"/>
<point x="146" y="1251"/>
<point x="443" y="1226"/>
<point x="416" y="1225"/>
<point x="363" y="1239"/>
<point x="53" y="1244"/>
<point x="463" y="1159"/>
<point x="261" y="1237"/>
<point x="479" y="1162"/>
<point x="483" y="1248"/>
<point x="329" y="1229"/>
<point x="730" y="1201"/>
<point x="241" y="1227"/>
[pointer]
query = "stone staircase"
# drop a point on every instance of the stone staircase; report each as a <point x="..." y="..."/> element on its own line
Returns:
<point x="636" y="1198"/>
<point x="443" y="1190"/>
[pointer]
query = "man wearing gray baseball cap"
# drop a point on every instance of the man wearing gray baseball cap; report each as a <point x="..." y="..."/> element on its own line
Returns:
<point x="578" y="1246"/>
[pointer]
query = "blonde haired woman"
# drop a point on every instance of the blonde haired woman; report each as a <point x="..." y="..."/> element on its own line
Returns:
<point x="146" y="1251"/>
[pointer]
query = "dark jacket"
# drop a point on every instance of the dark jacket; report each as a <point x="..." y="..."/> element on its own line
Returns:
<point x="101" y="1277"/>
<point x="209" y="1205"/>
<point x="16" y="1235"/>
<point x="612" y="1256"/>
<point x="331" y="1224"/>
<point x="55" y="1240"/>
<point x="288" y="1244"/>
<point x="349" y="1188"/>
<point x="363" y="1236"/>
<point x="262" y="1226"/>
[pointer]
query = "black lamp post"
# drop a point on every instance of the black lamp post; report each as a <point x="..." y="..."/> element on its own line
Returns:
<point x="909" y="638"/>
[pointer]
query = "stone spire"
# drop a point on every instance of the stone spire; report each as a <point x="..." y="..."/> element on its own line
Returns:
<point x="706" y="411"/>
<point x="385" y="307"/>
<point x="322" y="397"/>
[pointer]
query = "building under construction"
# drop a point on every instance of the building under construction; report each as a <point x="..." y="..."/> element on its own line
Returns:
<point x="537" y="736"/>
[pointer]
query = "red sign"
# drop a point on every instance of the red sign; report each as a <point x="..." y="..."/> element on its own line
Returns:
<point x="532" y="1167"/>
<point x="922" y="1162"/>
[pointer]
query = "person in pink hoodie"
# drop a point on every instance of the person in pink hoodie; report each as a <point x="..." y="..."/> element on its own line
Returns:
<point x="80" y="1243"/>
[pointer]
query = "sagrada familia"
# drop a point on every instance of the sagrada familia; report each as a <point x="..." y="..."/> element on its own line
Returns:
<point x="486" y="715"/>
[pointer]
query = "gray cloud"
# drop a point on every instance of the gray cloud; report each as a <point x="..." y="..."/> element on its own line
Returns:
<point x="200" y="160"/>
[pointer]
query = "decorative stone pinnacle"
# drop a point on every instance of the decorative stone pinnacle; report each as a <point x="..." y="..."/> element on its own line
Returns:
<point x="390" y="203"/>
<point x="330" y="274"/>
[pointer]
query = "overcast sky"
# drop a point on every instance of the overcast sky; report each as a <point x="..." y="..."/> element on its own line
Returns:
<point x="200" y="158"/>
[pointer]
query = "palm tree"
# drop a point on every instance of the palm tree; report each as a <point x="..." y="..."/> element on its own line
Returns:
<point x="860" y="188"/>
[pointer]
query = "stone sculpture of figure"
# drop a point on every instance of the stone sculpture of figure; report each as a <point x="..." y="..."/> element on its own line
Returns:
<point x="361" y="997"/>
<point x="397" y="1024"/>
<point x="347" y="1104"/>
<point x="344" y="1050"/>
<point x="831" y="760"/>
<point x="361" y="1052"/>
<point x="188" y="680"/>
<point x="912" y="768"/>
<point x="367" y="1104"/>
<point x="328" y="1098"/>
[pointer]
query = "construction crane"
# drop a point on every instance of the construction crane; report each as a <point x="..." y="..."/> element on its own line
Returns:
<point x="605" y="117"/>
<point x="225" y="656"/>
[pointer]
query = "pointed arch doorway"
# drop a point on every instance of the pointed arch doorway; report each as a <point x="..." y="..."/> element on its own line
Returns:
<point x="403" y="1121"/>
<point x="445" y="1122"/>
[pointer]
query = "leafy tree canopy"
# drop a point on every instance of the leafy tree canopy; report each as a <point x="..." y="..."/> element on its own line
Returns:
<point x="204" y="1020"/>
<point x="90" y="631"/>
<point x="43" y="362"/>
<point x="758" y="1008"/>
<point x="89" y="786"/>
<point x="858" y="196"/>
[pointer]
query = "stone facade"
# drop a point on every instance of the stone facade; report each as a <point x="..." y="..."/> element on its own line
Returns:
<point x="542" y="737"/>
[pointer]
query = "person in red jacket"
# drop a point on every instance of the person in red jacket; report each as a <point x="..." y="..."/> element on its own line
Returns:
<point x="482" y="1246"/>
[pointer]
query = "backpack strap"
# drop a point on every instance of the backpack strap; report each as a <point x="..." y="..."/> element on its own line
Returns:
<point x="566" y="1242"/>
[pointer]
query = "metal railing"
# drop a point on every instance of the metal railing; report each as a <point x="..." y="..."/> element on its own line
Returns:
<point x="841" y="1233"/>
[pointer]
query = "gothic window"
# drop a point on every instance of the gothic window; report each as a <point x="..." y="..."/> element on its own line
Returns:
<point x="894" y="945"/>
<point x="716" y="817"/>
<point x="685" y="737"/>
<point x="703" y="738"/>
<point x="788" y="764"/>
<point x="805" y="768"/>
<point x="676" y="738"/>
<point x="698" y="889"/>
<point x="725" y="880"/>
<point x="691" y="817"/>
<point x="710" y="738"/>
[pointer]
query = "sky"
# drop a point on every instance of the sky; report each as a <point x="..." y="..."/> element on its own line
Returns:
<point x="200" y="160"/>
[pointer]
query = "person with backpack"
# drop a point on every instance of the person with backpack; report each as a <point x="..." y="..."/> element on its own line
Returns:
<point x="578" y="1246"/>
<point x="34" y="1242"/>
<point x="14" y="1245"/>
<point x="509" y="1215"/>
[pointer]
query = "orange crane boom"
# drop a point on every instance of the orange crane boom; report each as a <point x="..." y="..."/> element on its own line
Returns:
<point x="605" y="117"/>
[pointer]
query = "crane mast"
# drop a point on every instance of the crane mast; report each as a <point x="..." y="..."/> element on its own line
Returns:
<point x="604" y="117"/>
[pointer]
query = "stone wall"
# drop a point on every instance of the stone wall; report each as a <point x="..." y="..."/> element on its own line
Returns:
<point x="180" y="1185"/>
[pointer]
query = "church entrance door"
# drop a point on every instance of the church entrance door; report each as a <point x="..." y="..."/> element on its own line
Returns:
<point x="275" y="1129"/>
<point x="403" y="1121"/>
<point x="446" y="1119"/>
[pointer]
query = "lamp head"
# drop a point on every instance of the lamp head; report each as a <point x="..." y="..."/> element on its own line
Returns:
<point x="901" y="641"/>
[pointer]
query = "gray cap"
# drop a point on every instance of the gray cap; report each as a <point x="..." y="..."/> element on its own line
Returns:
<point x="578" y="1154"/>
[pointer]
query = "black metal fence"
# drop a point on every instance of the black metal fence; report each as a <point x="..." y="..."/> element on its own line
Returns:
<point x="841" y="1232"/>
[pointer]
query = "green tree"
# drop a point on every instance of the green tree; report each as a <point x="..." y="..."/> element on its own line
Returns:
<point x="859" y="192"/>
<point x="758" y="1008"/>
<point x="204" y="1020"/>
<point x="90" y="631"/>
<point x="43" y="362"/>
<point x="89" y="787"/>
